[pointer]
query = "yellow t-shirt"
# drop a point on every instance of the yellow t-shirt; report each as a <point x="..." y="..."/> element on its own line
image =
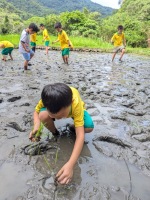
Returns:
<point x="6" y="44"/>
<point x="77" y="108"/>
<point x="45" y="35"/>
<point x="33" y="37"/>
<point x="118" y="39"/>
<point x="63" y="38"/>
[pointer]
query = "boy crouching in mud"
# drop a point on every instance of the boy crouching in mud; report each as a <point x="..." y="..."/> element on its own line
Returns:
<point x="61" y="101"/>
<point x="7" y="48"/>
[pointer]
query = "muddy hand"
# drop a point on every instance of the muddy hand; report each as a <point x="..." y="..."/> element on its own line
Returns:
<point x="64" y="176"/>
<point x="32" y="136"/>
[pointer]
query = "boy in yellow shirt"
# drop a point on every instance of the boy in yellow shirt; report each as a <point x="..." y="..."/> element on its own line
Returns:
<point x="7" y="48"/>
<point x="46" y="37"/>
<point x="65" y="43"/>
<point x="61" y="101"/>
<point x="33" y="41"/>
<point x="119" y="43"/>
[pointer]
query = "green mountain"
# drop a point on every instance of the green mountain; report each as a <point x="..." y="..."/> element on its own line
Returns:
<point x="46" y="7"/>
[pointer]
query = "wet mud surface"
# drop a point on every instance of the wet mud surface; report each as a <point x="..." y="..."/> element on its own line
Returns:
<point x="115" y="161"/>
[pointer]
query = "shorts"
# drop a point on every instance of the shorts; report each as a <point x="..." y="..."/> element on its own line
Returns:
<point x="7" y="51"/>
<point x="47" y="43"/>
<point x="33" y="44"/>
<point x="27" y="55"/>
<point x="118" y="48"/>
<point x="65" y="51"/>
<point x="88" y="122"/>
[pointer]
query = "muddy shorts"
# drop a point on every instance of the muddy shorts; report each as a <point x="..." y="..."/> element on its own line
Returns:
<point x="47" y="43"/>
<point x="7" y="51"/>
<point x="27" y="55"/>
<point x="88" y="122"/>
<point x="33" y="44"/>
<point x="65" y="51"/>
<point x="118" y="49"/>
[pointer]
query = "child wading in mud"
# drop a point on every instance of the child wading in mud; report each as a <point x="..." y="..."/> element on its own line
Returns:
<point x="46" y="37"/>
<point x="61" y="101"/>
<point x="24" y="43"/>
<point x="65" y="43"/>
<point x="119" y="42"/>
<point x="7" y="48"/>
<point x="33" y="41"/>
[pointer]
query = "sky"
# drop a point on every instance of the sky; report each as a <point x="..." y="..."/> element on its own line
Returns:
<point x="108" y="3"/>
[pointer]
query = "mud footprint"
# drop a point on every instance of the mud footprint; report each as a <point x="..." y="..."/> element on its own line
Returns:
<point x="15" y="126"/>
<point x="14" y="99"/>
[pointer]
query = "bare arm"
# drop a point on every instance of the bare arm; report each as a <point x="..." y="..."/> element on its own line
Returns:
<point x="78" y="146"/>
<point x="55" y="41"/>
<point x="124" y="42"/>
<point x="2" y="46"/>
<point x="24" y="46"/>
<point x="36" y="124"/>
<point x="66" y="172"/>
<point x="69" y="43"/>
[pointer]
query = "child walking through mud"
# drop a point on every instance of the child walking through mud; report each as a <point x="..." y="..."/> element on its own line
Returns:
<point x="33" y="41"/>
<point x="119" y="42"/>
<point x="24" y="43"/>
<point x="61" y="101"/>
<point x="65" y="43"/>
<point x="46" y="37"/>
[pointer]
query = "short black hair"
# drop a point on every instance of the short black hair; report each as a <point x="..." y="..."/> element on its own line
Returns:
<point x="120" y="27"/>
<point x="56" y="96"/>
<point x="58" y="25"/>
<point x="34" y="27"/>
<point x="42" y="25"/>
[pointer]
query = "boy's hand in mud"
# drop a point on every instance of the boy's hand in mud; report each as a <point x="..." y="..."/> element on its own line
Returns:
<point x="32" y="136"/>
<point x="65" y="174"/>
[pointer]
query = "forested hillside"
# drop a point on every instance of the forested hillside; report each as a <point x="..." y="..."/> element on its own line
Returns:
<point x="45" y="7"/>
<point x="70" y="5"/>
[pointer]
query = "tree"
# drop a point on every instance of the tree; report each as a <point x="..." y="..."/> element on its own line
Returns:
<point x="6" y="27"/>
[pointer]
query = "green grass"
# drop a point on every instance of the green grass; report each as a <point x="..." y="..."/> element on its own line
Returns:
<point x="140" y="51"/>
<point x="78" y="42"/>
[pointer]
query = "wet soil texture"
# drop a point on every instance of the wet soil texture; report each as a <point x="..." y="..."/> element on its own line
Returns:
<point x="115" y="161"/>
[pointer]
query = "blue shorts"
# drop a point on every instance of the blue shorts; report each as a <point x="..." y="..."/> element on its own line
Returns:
<point x="27" y="56"/>
<point x="88" y="122"/>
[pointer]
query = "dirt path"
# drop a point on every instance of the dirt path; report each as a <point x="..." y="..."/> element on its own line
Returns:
<point x="115" y="164"/>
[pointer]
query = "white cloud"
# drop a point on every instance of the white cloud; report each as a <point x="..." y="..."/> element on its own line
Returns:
<point x="108" y="3"/>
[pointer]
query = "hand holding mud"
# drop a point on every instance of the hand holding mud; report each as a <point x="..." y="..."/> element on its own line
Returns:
<point x="65" y="174"/>
<point x="33" y="135"/>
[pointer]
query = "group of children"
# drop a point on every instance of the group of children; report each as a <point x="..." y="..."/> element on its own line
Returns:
<point x="32" y="30"/>
<point x="59" y="100"/>
<point x="29" y="37"/>
<point x="118" y="40"/>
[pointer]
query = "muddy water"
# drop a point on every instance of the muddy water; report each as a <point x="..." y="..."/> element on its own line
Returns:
<point x="115" y="162"/>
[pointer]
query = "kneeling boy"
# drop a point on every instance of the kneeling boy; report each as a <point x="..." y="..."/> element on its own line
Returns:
<point x="61" y="101"/>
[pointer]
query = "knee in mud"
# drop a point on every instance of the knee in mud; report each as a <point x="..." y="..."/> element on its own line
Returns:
<point x="88" y="130"/>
